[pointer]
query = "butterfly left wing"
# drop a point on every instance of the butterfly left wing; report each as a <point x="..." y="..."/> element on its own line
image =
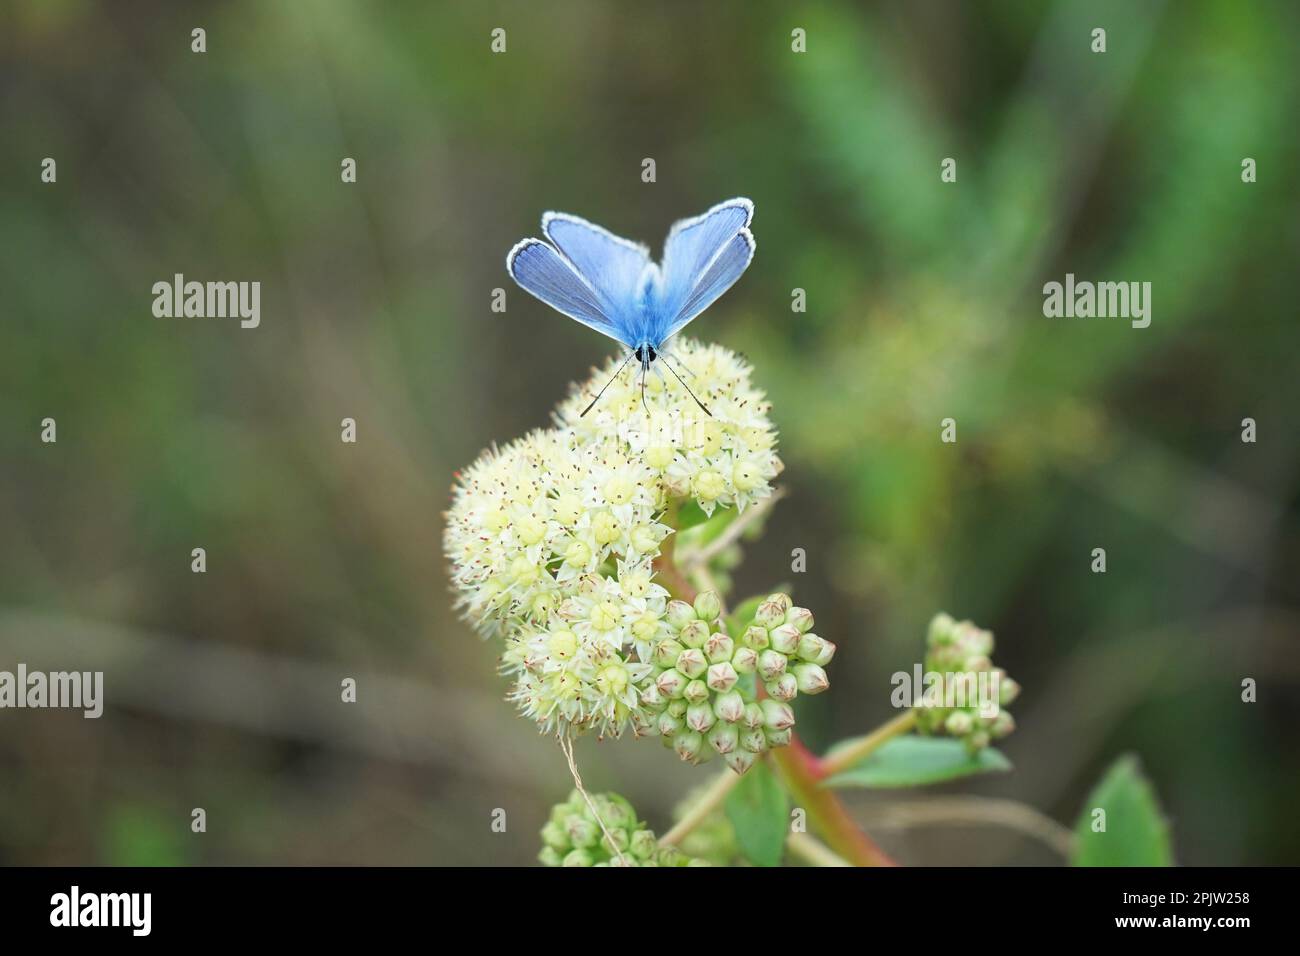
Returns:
<point x="545" y="274"/>
<point x="612" y="265"/>
<point x="703" y="258"/>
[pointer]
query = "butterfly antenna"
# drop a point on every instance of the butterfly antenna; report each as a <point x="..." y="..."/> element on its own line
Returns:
<point x="689" y="392"/>
<point x="616" y="374"/>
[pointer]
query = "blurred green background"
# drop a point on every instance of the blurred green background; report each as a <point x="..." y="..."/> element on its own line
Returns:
<point x="924" y="302"/>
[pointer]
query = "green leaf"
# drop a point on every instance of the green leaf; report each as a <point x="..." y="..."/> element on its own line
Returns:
<point x="758" y="810"/>
<point x="701" y="532"/>
<point x="1135" y="833"/>
<point x="690" y="514"/>
<point x="916" y="761"/>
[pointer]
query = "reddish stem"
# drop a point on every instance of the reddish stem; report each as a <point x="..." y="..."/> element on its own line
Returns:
<point x="803" y="774"/>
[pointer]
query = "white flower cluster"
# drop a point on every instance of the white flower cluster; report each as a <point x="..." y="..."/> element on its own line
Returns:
<point x="552" y="538"/>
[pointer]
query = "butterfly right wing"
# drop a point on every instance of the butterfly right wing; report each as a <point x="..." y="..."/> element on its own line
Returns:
<point x="545" y="274"/>
<point x="703" y="258"/>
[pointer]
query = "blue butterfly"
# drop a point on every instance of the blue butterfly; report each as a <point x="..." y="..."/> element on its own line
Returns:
<point x="610" y="284"/>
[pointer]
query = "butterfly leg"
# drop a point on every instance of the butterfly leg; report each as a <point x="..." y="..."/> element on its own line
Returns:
<point x="679" y="365"/>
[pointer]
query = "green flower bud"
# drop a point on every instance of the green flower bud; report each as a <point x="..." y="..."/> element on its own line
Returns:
<point x="801" y="618"/>
<point x="708" y="606"/>
<point x="815" y="650"/>
<point x="740" y="760"/>
<point x="553" y="835"/>
<point x="722" y="677"/>
<point x="783" y="600"/>
<point x="692" y="662"/>
<point x="753" y="716"/>
<point x="771" y="665"/>
<point x="1002" y="725"/>
<point x="689" y="745"/>
<point x="694" y="634"/>
<point x="756" y="637"/>
<point x="678" y="708"/>
<point x="669" y="725"/>
<point x="620" y="844"/>
<point x="643" y="845"/>
<point x="652" y="698"/>
<point x="729" y="706"/>
<point x="977" y="741"/>
<point x="719" y="648"/>
<point x="670" y="856"/>
<point x="770" y="614"/>
<point x="700" y="717"/>
<point x="777" y="715"/>
<point x="696" y="692"/>
<point x="785" y="687"/>
<point x="582" y="832"/>
<point x="679" y="614"/>
<point x="959" y="723"/>
<point x="755" y="741"/>
<point x="810" y="678"/>
<point x="615" y="810"/>
<point x="671" y="683"/>
<point x="941" y="631"/>
<point x="1008" y="691"/>
<point x="745" y="660"/>
<point x="778" y="738"/>
<point x="561" y="811"/>
<point x="665" y="652"/>
<point x="550" y="856"/>
<point x="976" y="640"/>
<point x="785" y="638"/>
<point x="724" y="738"/>
<point x="579" y="858"/>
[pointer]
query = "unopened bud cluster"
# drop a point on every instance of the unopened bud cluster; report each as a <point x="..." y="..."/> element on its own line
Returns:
<point x="965" y="694"/>
<point x="703" y="692"/>
<point x="574" y="836"/>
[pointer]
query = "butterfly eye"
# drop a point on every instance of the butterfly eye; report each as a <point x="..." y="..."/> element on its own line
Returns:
<point x="638" y="353"/>
<point x="650" y="349"/>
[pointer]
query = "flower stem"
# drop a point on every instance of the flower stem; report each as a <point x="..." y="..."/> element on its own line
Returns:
<point x="801" y="770"/>
<point x="814" y="851"/>
<point x="846" y="755"/>
<point x="665" y="565"/>
<point x="708" y="801"/>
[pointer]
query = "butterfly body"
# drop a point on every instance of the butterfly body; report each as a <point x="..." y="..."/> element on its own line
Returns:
<point x="611" y="285"/>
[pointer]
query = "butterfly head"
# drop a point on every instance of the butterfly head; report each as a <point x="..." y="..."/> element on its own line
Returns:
<point x="645" y="354"/>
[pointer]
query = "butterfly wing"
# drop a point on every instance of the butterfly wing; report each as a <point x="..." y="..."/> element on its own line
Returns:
<point x="703" y="258"/>
<point x="612" y="265"/>
<point x="542" y="272"/>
